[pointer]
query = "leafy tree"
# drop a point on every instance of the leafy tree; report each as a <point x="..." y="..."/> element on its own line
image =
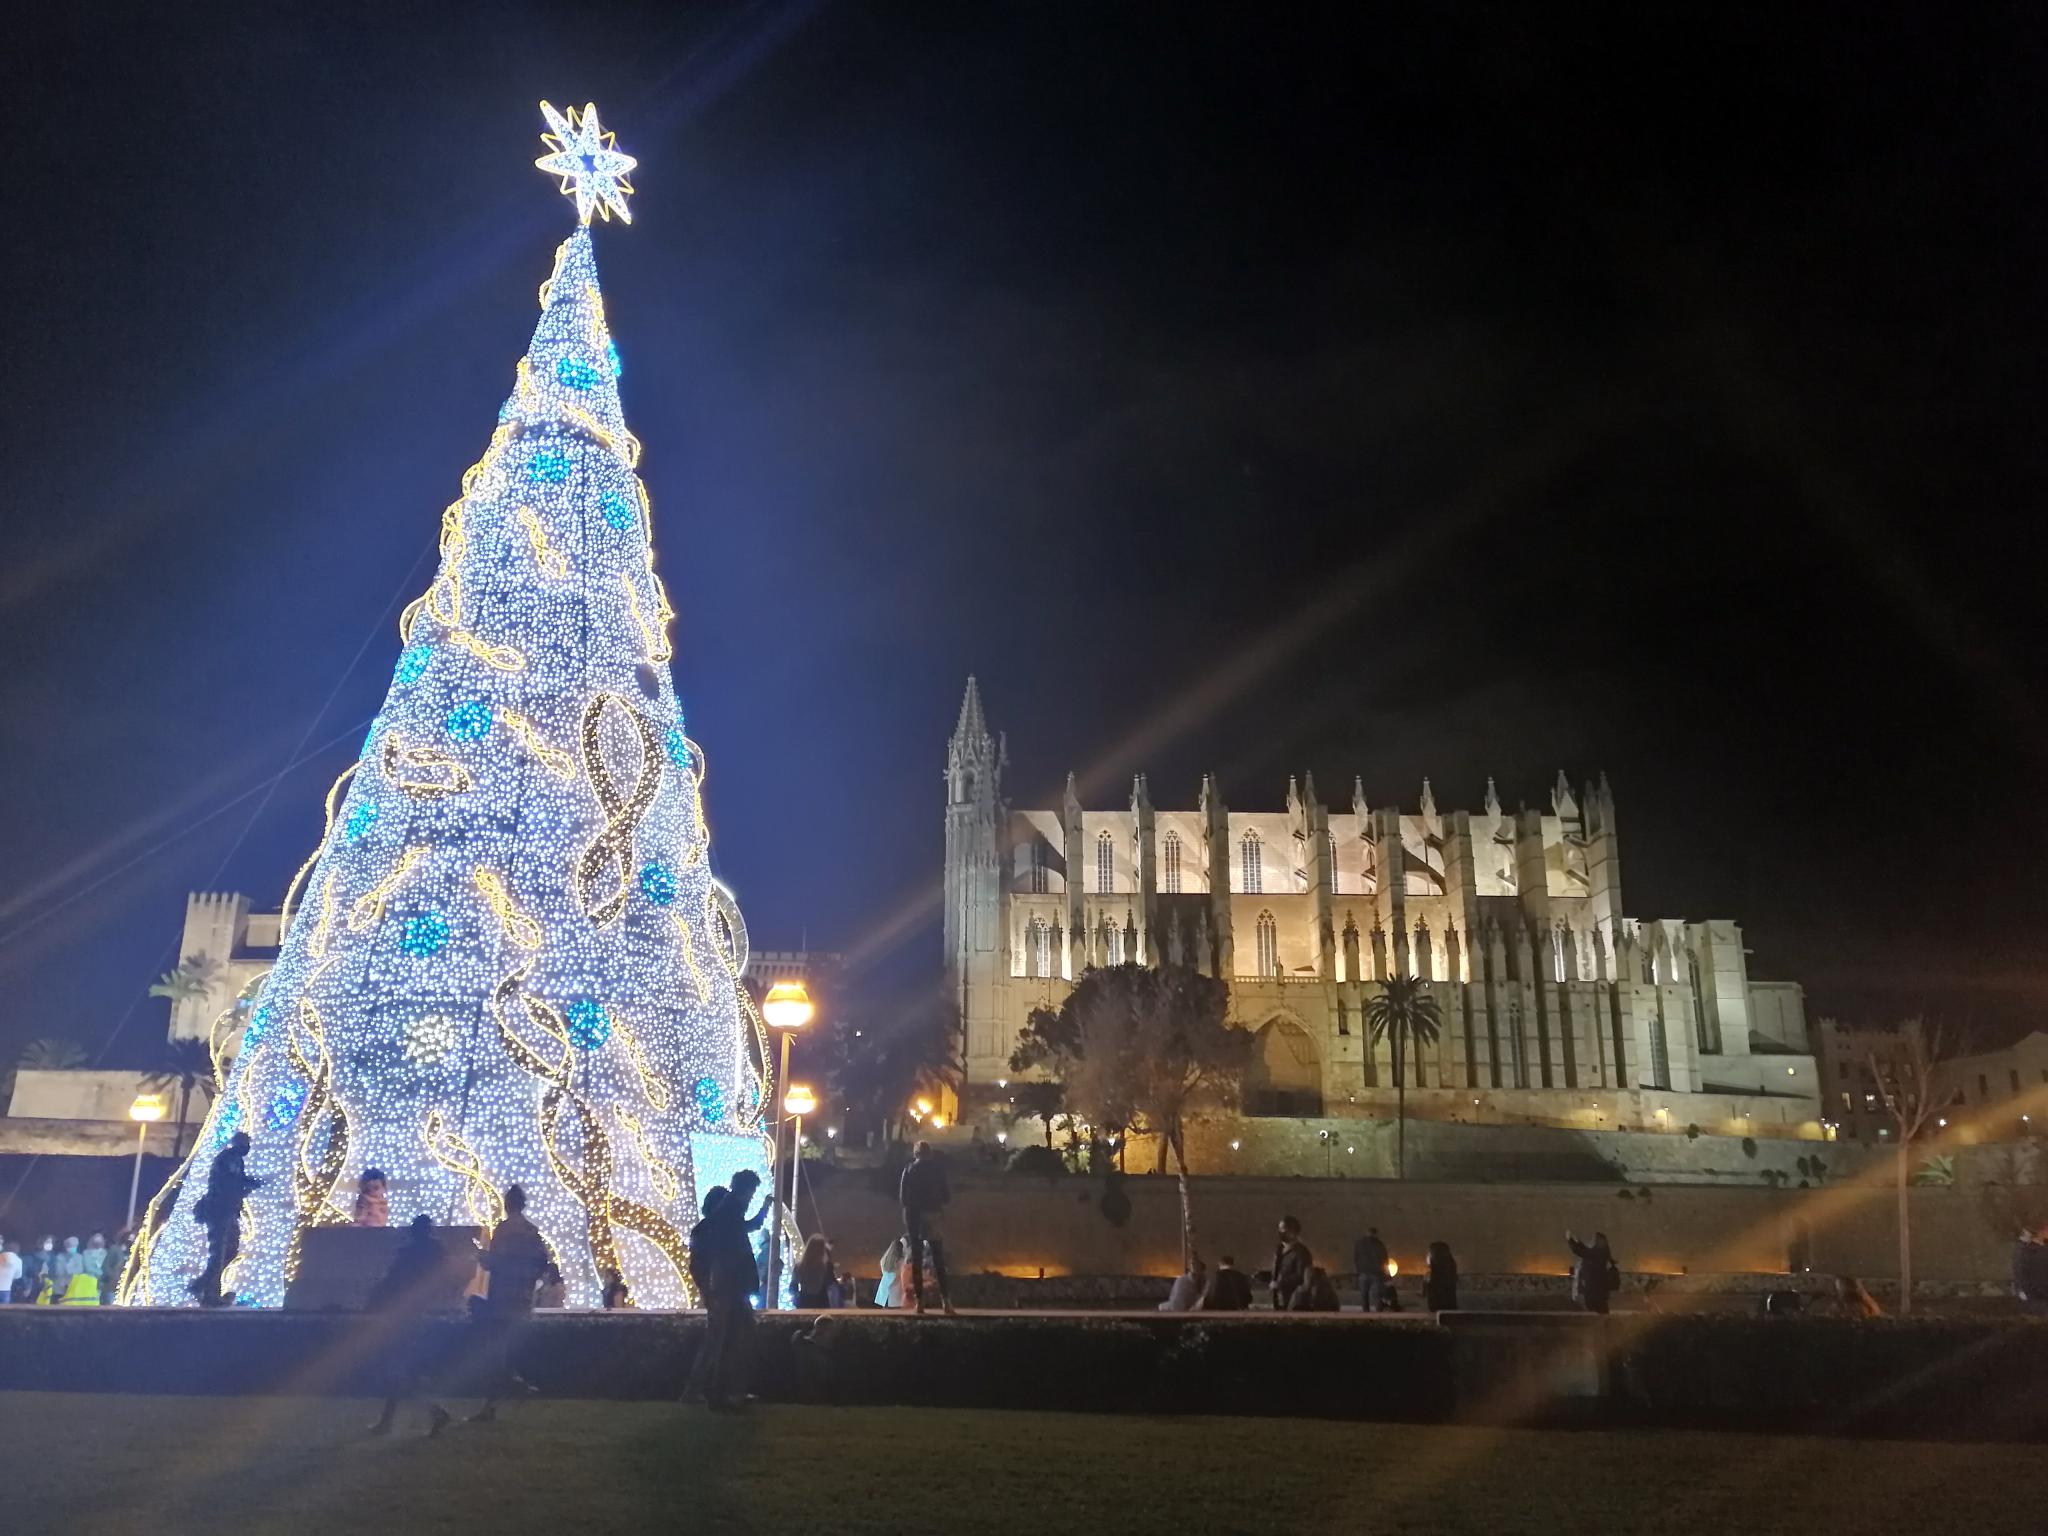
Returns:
<point x="873" y="1071"/>
<point x="1404" y="1012"/>
<point x="1038" y="1099"/>
<point x="185" y="1065"/>
<point x="1906" y="1064"/>
<point x="1136" y="1049"/>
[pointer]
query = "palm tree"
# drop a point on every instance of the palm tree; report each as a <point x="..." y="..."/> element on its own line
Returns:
<point x="194" y="977"/>
<point x="1404" y="1011"/>
<point x="185" y="1065"/>
<point x="50" y="1054"/>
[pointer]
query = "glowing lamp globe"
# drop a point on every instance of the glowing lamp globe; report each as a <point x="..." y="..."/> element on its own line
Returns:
<point x="799" y="1100"/>
<point x="787" y="1005"/>
<point x="147" y="1107"/>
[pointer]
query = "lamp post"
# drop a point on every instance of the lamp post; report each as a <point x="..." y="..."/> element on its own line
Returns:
<point x="796" y="1103"/>
<point x="787" y="1008"/>
<point x="147" y="1109"/>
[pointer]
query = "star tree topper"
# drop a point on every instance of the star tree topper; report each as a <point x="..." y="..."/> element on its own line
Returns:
<point x="588" y="161"/>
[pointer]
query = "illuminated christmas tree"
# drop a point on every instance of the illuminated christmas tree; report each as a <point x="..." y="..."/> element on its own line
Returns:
<point x="507" y="960"/>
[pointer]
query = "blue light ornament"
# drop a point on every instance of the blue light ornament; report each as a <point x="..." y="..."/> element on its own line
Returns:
<point x="469" y="721"/>
<point x="589" y="1025"/>
<point x="424" y="936"/>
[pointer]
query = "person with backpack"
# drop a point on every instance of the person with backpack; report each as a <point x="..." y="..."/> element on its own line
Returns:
<point x="924" y="1193"/>
<point x="1595" y="1275"/>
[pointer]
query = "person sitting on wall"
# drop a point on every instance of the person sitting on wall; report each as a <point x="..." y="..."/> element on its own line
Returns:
<point x="1188" y="1288"/>
<point x="1315" y="1294"/>
<point x="1228" y="1289"/>
<point x="373" y="1200"/>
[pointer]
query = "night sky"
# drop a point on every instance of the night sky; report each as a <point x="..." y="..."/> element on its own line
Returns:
<point x="1440" y="390"/>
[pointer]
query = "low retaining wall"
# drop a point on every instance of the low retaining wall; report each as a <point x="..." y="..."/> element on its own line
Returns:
<point x="1936" y="1379"/>
<point x="1019" y="1225"/>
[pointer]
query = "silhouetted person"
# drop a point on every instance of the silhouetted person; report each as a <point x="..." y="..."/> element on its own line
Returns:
<point x="1315" y="1294"/>
<point x="1188" y="1288"/>
<point x="729" y="1278"/>
<point x="1228" y="1289"/>
<point x="924" y="1193"/>
<point x="814" y="1274"/>
<point x="1595" y="1275"/>
<point x="1291" y="1263"/>
<point x="514" y="1261"/>
<point x="1440" y="1283"/>
<point x="2030" y="1269"/>
<point x="416" y="1280"/>
<point x="1369" y="1258"/>
<point x="220" y="1211"/>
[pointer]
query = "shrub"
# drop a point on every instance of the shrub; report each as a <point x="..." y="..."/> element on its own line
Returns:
<point x="1039" y="1160"/>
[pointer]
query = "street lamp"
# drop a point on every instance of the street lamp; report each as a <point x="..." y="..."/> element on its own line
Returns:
<point x="787" y="1008"/>
<point x="147" y="1109"/>
<point x="796" y="1103"/>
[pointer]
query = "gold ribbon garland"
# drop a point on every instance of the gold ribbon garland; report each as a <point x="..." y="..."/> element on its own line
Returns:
<point x="654" y="634"/>
<point x="423" y="772"/>
<point x="291" y="892"/>
<point x="314" y="1178"/>
<point x="591" y="1183"/>
<point x="446" y="1147"/>
<point x="612" y="849"/>
<point x="552" y="562"/>
<point x="520" y="930"/>
<point x="369" y="906"/>
<point x="659" y="1174"/>
<point x="650" y="1081"/>
<point x="550" y="757"/>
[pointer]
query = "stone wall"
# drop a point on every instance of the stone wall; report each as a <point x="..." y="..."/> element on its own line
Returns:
<point x="1019" y="1225"/>
<point x="1445" y="1149"/>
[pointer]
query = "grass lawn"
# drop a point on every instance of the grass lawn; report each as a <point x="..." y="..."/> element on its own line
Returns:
<point x="113" y="1465"/>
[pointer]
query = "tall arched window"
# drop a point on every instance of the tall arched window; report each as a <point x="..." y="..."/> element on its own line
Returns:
<point x="1041" y="948"/>
<point x="1115" y="945"/>
<point x="1105" y="863"/>
<point x="1037" y="871"/>
<point x="1330" y="853"/>
<point x="1172" y="863"/>
<point x="1704" y="1030"/>
<point x="1252" y="858"/>
<point x="1269" y="945"/>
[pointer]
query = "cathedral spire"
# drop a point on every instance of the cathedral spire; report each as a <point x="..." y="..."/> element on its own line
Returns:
<point x="1492" y="797"/>
<point x="972" y="726"/>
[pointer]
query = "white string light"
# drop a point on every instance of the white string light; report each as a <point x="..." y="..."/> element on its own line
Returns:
<point x="474" y="855"/>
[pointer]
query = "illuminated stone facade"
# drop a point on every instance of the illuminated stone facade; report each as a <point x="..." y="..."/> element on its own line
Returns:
<point x="1558" y="1006"/>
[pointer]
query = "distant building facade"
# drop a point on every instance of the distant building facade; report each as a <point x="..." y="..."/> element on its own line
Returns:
<point x="1999" y="1095"/>
<point x="1558" y="1005"/>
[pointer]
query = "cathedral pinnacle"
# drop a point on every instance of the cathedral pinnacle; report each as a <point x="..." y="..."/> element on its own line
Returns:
<point x="972" y="726"/>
